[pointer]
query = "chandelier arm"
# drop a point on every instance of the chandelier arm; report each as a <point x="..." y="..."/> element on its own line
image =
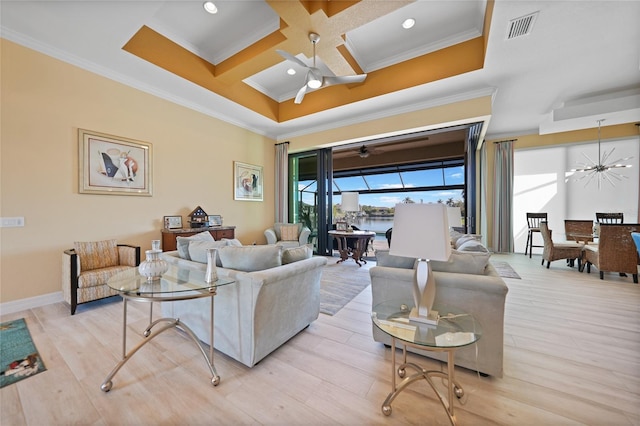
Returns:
<point x="606" y="156"/>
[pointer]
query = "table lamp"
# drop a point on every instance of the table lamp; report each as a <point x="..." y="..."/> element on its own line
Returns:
<point x="350" y="203"/>
<point x="422" y="231"/>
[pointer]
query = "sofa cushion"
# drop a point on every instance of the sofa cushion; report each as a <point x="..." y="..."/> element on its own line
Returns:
<point x="198" y="250"/>
<point x="295" y="254"/>
<point x="182" y="243"/>
<point x="289" y="232"/>
<point x="383" y="258"/>
<point x="250" y="258"/>
<point x="97" y="254"/>
<point x="472" y="245"/>
<point x="463" y="263"/>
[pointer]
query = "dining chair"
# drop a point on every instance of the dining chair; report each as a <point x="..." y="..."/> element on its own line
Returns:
<point x="609" y="217"/>
<point x="580" y="231"/>
<point x="615" y="251"/>
<point x="556" y="251"/>
<point x="533" y="223"/>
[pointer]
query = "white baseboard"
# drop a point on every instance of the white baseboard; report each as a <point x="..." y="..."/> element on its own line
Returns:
<point x="31" y="302"/>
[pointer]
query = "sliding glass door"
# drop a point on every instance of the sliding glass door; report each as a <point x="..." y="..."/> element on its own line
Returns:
<point x="310" y="196"/>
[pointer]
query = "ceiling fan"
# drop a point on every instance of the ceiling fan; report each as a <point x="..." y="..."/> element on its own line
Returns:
<point x="364" y="151"/>
<point x="314" y="78"/>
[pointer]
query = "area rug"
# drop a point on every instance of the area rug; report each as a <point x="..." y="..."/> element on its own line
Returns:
<point x="19" y="357"/>
<point x="505" y="270"/>
<point x="340" y="283"/>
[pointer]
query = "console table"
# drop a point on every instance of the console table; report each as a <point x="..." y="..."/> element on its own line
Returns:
<point x="217" y="232"/>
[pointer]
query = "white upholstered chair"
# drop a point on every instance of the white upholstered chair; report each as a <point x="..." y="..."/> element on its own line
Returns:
<point x="288" y="235"/>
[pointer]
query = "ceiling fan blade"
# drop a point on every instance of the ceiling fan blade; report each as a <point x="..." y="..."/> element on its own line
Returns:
<point x="345" y="79"/>
<point x="300" y="95"/>
<point x="291" y="58"/>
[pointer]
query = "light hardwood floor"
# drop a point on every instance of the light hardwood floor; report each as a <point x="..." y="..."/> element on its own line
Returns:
<point x="572" y="356"/>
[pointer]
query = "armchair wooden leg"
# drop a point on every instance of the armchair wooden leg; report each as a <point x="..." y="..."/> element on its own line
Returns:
<point x="548" y="263"/>
<point x="635" y="278"/>
<point x="601" y="275"/>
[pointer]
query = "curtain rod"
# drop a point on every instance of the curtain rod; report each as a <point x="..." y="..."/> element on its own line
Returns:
<point x="282" y="143"/>
<point x="510" y="140"/>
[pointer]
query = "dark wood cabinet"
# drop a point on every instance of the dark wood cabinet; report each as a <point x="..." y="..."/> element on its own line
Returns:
<point x="218" y="232"/>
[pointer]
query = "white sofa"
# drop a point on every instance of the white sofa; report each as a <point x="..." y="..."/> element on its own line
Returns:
<point x="481" y="294"/>
<point x="260" y="311"/>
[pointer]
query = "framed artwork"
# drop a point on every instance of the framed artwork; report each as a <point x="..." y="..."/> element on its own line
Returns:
<point x="341" y="226"/>
<point x="113" y="165"/>
<point x="173" y="222"/>
<point x="215" y="220"/>
<point x="247" y="182"/>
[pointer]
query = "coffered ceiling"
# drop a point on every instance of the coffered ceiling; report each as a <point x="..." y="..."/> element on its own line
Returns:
<point x="226" y="65"/>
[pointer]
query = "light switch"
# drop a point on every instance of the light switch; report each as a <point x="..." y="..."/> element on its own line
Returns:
<point x="11" y="222"/>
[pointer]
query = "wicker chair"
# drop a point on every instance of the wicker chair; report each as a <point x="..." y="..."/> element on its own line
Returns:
<point x="556" y="251"/>
<point x="580" y="231"/>
<point x="533" y="224"/>
<point x="615" y="252"/>
<point x="87" y="267"/>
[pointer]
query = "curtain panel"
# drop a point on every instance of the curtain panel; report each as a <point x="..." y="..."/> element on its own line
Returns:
<point x="281" y="181"/>
<point x="503" y="198"/>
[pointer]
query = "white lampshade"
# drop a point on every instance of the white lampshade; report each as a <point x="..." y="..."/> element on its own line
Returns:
<point x="454" y="214"/>
<point x="350" y="202"/>
<point x="421" y="231"/>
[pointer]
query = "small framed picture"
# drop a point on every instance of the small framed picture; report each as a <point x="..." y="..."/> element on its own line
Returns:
<point x="173" y="222"/>
<point x="341" y="226"/>
<point x="215" y="220"/>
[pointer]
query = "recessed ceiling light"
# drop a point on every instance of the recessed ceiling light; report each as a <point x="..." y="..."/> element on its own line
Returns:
<point x="408" y="23"/>
<point x="291" y="71"/>
<point x="210" y="7"/>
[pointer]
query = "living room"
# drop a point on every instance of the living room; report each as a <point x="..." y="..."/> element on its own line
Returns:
<point x="46" y="100"/>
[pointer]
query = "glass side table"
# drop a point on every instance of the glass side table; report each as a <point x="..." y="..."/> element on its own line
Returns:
<point x="175" y="285"/>
<point x="454" y="330"/>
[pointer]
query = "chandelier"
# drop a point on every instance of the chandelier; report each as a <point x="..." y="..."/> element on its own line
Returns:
<point x="603" y="169"/>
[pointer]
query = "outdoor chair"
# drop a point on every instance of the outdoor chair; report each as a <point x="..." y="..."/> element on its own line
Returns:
<point x="615" y="251"/>
<point x="556" y="251"/>
<point x="87" y="267"/>
<point x="533" y="223"/>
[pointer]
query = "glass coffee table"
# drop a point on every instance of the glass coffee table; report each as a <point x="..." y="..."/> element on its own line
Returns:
<point x="175" y="285"/>
<point x="454" y="330"/>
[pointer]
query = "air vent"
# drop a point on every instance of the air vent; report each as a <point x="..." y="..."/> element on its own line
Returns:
<point x="521" y="26"/>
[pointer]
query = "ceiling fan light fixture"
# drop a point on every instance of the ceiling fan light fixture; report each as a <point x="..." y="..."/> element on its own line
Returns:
<point x="314" y="83"/>
<point x="210" y="7"/>
<point x="408" y="23"/>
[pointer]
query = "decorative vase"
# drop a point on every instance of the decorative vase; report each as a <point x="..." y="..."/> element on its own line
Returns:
<point x="212" y="273"/>
<point x="153" y="267"/>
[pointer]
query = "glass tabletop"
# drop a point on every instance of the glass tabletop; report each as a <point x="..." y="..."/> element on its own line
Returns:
<point x="454" y="329"/>
<point x="175" y="280"/>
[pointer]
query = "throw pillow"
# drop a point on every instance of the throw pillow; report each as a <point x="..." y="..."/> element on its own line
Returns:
<point x="251" y="258"/>
<point x="463" y="263"/>
<point x="232" y="242"/>
<point x="383" y="258"/>
<point x="472" y="245"/>
<point x="97" y="254"/>
<point x="289" y="233"/>
<point x="198" y="250"/>
<point x="297" y="253"/>
<point x="183" y="243"/>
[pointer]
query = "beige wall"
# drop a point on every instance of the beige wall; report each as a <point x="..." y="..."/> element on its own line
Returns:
<point x="43" y="103"/>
